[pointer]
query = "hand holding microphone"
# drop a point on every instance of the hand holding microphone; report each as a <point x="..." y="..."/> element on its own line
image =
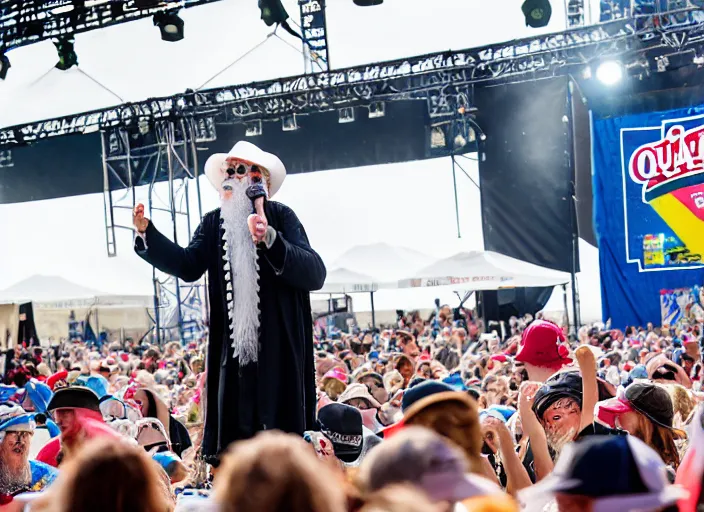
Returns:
<point x="257" y="222"/>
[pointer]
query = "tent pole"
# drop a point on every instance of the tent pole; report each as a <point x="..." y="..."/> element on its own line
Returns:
<point x="371" y="295"/>
<point x="457" y="206"/>
<point x="567" y="309"/>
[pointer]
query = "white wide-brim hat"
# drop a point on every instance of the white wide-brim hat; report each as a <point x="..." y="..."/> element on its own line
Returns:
<point x="248" y="152"/>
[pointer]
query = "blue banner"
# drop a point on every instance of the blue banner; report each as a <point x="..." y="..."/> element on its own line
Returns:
<point x="649" y="212"/>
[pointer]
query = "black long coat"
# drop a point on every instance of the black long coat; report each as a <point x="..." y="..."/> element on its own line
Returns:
<point x="277" y="392"/>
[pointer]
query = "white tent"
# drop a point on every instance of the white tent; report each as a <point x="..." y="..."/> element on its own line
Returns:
<point x="342" y="280"/>
<point x="53" y="292"/>
<point x="483" y="270"/>
<point x="384" y="262"/>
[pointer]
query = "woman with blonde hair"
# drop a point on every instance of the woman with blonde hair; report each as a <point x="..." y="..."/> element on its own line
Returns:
<point x="275" y="472"/>
<point x="107" y="476"/>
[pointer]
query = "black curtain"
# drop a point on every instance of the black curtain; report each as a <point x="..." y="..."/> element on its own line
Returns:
<point x="526" y="172"/>
<point x="501" y="305"/>
<point x="27" y="332"/>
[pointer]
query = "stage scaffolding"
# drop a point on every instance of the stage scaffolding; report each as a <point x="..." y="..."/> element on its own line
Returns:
<point x="142" y="155"/>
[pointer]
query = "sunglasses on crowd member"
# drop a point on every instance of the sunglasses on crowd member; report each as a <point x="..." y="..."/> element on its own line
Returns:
<point x="14" y="435"/>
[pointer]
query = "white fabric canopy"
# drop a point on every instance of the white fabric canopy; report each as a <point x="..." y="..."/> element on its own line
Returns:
<point x="342" y="280"/>
<point x="57" y="292"/>
<point x="483" y="270"/>
<point x="383" y="262"/>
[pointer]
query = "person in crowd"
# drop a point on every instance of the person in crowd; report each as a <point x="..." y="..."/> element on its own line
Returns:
<point x="645" y="410"/>
<point x="451" y="414"/>
<point x="108" y="477"/>
<point x="343" y="426"/>
<point x="77" y="413"/>
<point x="153" y="406"/>
<point x="275" y="472"/>
<point x="542" y="350"/>
<point x="17" y="473"/>
<point x="609" y="473"/>
<point x="422" y="457"/>
<point x="398" y="498"/>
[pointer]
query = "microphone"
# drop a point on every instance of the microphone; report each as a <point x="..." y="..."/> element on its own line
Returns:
<point x="257" y="194"/>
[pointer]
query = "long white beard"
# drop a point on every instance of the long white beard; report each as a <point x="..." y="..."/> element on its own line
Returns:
<point x="241" y="275"/>
<point x="557" y="441"/>
<point x="13" y="479"/>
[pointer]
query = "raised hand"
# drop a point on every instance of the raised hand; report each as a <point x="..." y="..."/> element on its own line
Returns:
<point x="257" y="227"/>
<point x="138" y="219"/>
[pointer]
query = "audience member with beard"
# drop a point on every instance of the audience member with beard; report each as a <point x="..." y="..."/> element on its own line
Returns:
<point x="551" y="415"/>
<point x="261" y="268"/>
<point x="77" y="413"/>
<point x="17" y="473"/>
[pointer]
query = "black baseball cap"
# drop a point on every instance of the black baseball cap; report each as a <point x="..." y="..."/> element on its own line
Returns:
<point x="617" y="472"/>
<point x="342" y="425"/>
<point x="564" y="384"/>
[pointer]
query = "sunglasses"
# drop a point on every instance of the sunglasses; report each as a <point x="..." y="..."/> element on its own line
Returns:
<point x="243" y="168"/>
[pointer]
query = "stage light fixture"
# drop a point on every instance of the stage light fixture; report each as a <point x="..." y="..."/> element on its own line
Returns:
<point x="170" y="25"/>
<point x="67" y="55"/>
<point x="273" y="12"/>
<point x="459" y="141"/>
<point x="377" y="109"/>
<point x="143" y="126"/>
<point x="537" y="12"/>
<point x="437" y="137"/>
<point x="346" y="115"/>
<point x="289" y="123"/>
<point x="609" y="72"/>
<point x="146" y="4"/>
<point x="253" y="128"/>
<point x="368" y="3"/>
<point x="4" y="65"/>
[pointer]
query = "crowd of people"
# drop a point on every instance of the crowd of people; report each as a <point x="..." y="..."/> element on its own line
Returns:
<point x="438" y="414"/>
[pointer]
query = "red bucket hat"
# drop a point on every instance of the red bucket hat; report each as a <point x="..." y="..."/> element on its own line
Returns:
<point x="542" y="345"/>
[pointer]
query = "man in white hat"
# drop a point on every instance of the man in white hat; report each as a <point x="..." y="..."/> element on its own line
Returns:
<point x="261" y="268"/>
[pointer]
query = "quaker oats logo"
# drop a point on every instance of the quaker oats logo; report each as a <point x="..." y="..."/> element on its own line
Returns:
<point x="663" y="194"/>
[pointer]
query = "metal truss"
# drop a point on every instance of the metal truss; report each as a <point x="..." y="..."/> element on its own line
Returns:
<point x="24" y="22"/>
<point x="163" y="150"/>
<point x="444" y="80"/>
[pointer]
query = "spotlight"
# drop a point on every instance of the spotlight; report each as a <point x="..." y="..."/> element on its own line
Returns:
<point x="143" y="126"/>
<point x="253" y="128"/>
<point x="346" y="115"/>
<point x="460" y="141"/>
<point x="609" y="72"/>
<point x="377" y="109"/>
<point x="273" y="12"/>
<point x="476" y="130"/>
<point x="170" y="25"/>
<point x="437" y="137"/>
<point x="289" y="123"/>
<point x="4" y="65"/>
<point x="537" y="12"/>
<point x="67" y="55"/>
<point x="368" y="3"/>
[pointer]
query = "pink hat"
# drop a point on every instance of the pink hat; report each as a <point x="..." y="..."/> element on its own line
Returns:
<point x="336" y="373"/>
<point x="542" y="345"/>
